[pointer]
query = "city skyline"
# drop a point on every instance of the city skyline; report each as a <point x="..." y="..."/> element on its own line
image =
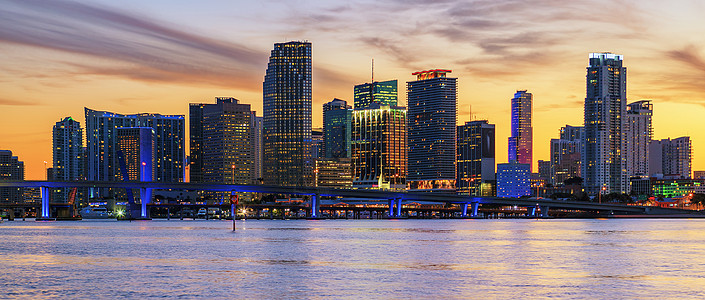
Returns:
<point x="52" y="72"/>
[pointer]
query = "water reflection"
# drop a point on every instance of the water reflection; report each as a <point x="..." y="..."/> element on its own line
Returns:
<point x="354" y="259"/>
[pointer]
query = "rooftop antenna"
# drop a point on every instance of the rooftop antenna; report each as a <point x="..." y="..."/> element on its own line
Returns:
<point x="373" y="70"/>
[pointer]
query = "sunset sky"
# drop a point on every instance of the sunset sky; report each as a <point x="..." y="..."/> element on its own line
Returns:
<point x="57" y="57"/>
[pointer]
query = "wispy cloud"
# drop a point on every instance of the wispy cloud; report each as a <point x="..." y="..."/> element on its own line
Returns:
<point x="147" y="50"/>
<point x="12" y="102"/>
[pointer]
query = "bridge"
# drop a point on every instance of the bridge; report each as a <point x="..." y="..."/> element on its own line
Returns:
<point x="394" y="198"/>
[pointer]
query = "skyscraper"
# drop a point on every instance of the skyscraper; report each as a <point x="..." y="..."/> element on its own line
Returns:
<point x="101" y="141"/>
<point x="476" y="158"/>
<point x="137" y="146"/>
<point x="336" y="128"/>
<point x="520" y="143"/>
<point x="670" y="157"/>
<point x="227" y="142"/>
<point x="432" y="115"/>
<point x="378" y="147"/>
<point x="257" y="147"/>
<point x="603" y="158"/>
<point x="383" y="93"/>
<point x="195" y="115"/>
<point x="67" y="154"/>
<point x="639" y="134"/>
<point x="11" y="168"/>
<point x="287" y="116"/>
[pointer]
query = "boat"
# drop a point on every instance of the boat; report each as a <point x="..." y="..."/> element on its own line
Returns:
<point x="93" y="212"/>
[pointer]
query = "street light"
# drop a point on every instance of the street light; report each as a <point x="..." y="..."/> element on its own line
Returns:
<point x="233" y="175"/>
<point x="599" y="197"/>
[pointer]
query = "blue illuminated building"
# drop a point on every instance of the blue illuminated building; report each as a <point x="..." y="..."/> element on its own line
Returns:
<point x="513" y="180"/>
<point x="102" y="145"/>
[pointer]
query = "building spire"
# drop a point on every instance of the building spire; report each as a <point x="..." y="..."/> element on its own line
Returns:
<point x="373" y="70"/>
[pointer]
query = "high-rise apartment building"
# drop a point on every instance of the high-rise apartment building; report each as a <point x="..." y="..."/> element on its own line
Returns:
<point x="383" y="93"/>
<point x="67" y="155"/>
<point x="378" y="147"/>
<point x="670" y="157"/>
<point x="227" y="147"/>
<point x="476" y="158"/>
<point x="138" y="148"/>
<point x="432" y="114"/>
<point x="565" y="154"/>
<point x="638" y="137"/>
<point x="102" y="146"/>
<point x="336" y="128"/>
<point x="195" y="114"/>
<point x="287" y="116"/>
<point x="11" y="168"/>
<point x="520" y="142"/>
<point x="257" y="147"/>
<point x="603" y="158"/>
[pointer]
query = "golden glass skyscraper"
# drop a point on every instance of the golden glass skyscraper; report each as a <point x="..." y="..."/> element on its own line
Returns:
<point x="287" y="116"/>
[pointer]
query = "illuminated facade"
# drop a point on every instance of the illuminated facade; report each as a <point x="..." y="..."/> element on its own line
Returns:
<point x="227" y="142"/>
<point x="317" y="144"/>
<point x="432" y="114"/>
<point x="287" y="116"/>
<point x="257" y="147"/>
<point x="138" y="147"/>
<point x="669" y="188"/>
<point x="378" y="147"/>
<point x="603" y="155"/>
<point x="336" y="129"/>
<point x="520" y="142"/>
<point x="333" y="173"/>
<point x="381" y="92"/>
<point x="671" y="157"/>
<point x="476" y="158"/>
<point x="513" y="180"/>
<point x="638" y="137"/>
<point x="11" y="168"/>
<point x="67" y="155"/>
<point x="101" y="142"/>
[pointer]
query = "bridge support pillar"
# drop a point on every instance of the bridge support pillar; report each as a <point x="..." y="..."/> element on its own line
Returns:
<point x="45" y="203"/>
<point x="145" y="197"/>
<point x="390" y="213"/>
<point x="464" y="210"/>
<point x="531" y="211"/>
<point x="544" y="211"/>
<point x="474" y="207"/>
<point x="315" y="205"/>
<point x="398" y="208"/>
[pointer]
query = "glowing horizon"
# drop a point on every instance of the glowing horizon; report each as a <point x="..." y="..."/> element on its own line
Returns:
<point x="153" y="57"/>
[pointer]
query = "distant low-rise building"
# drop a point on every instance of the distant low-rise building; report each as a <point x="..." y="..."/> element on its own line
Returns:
<point x="513" y="180"/>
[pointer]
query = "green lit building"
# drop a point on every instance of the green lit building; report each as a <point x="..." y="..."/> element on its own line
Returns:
<point x="380" y="92"/>
<point x="669" y="188"/>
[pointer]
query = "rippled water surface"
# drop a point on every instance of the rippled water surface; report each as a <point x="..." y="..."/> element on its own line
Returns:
<point x="603" y="259"/>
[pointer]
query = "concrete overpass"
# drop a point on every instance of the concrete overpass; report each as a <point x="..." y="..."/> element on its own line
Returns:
<point x="394" y="198"/>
